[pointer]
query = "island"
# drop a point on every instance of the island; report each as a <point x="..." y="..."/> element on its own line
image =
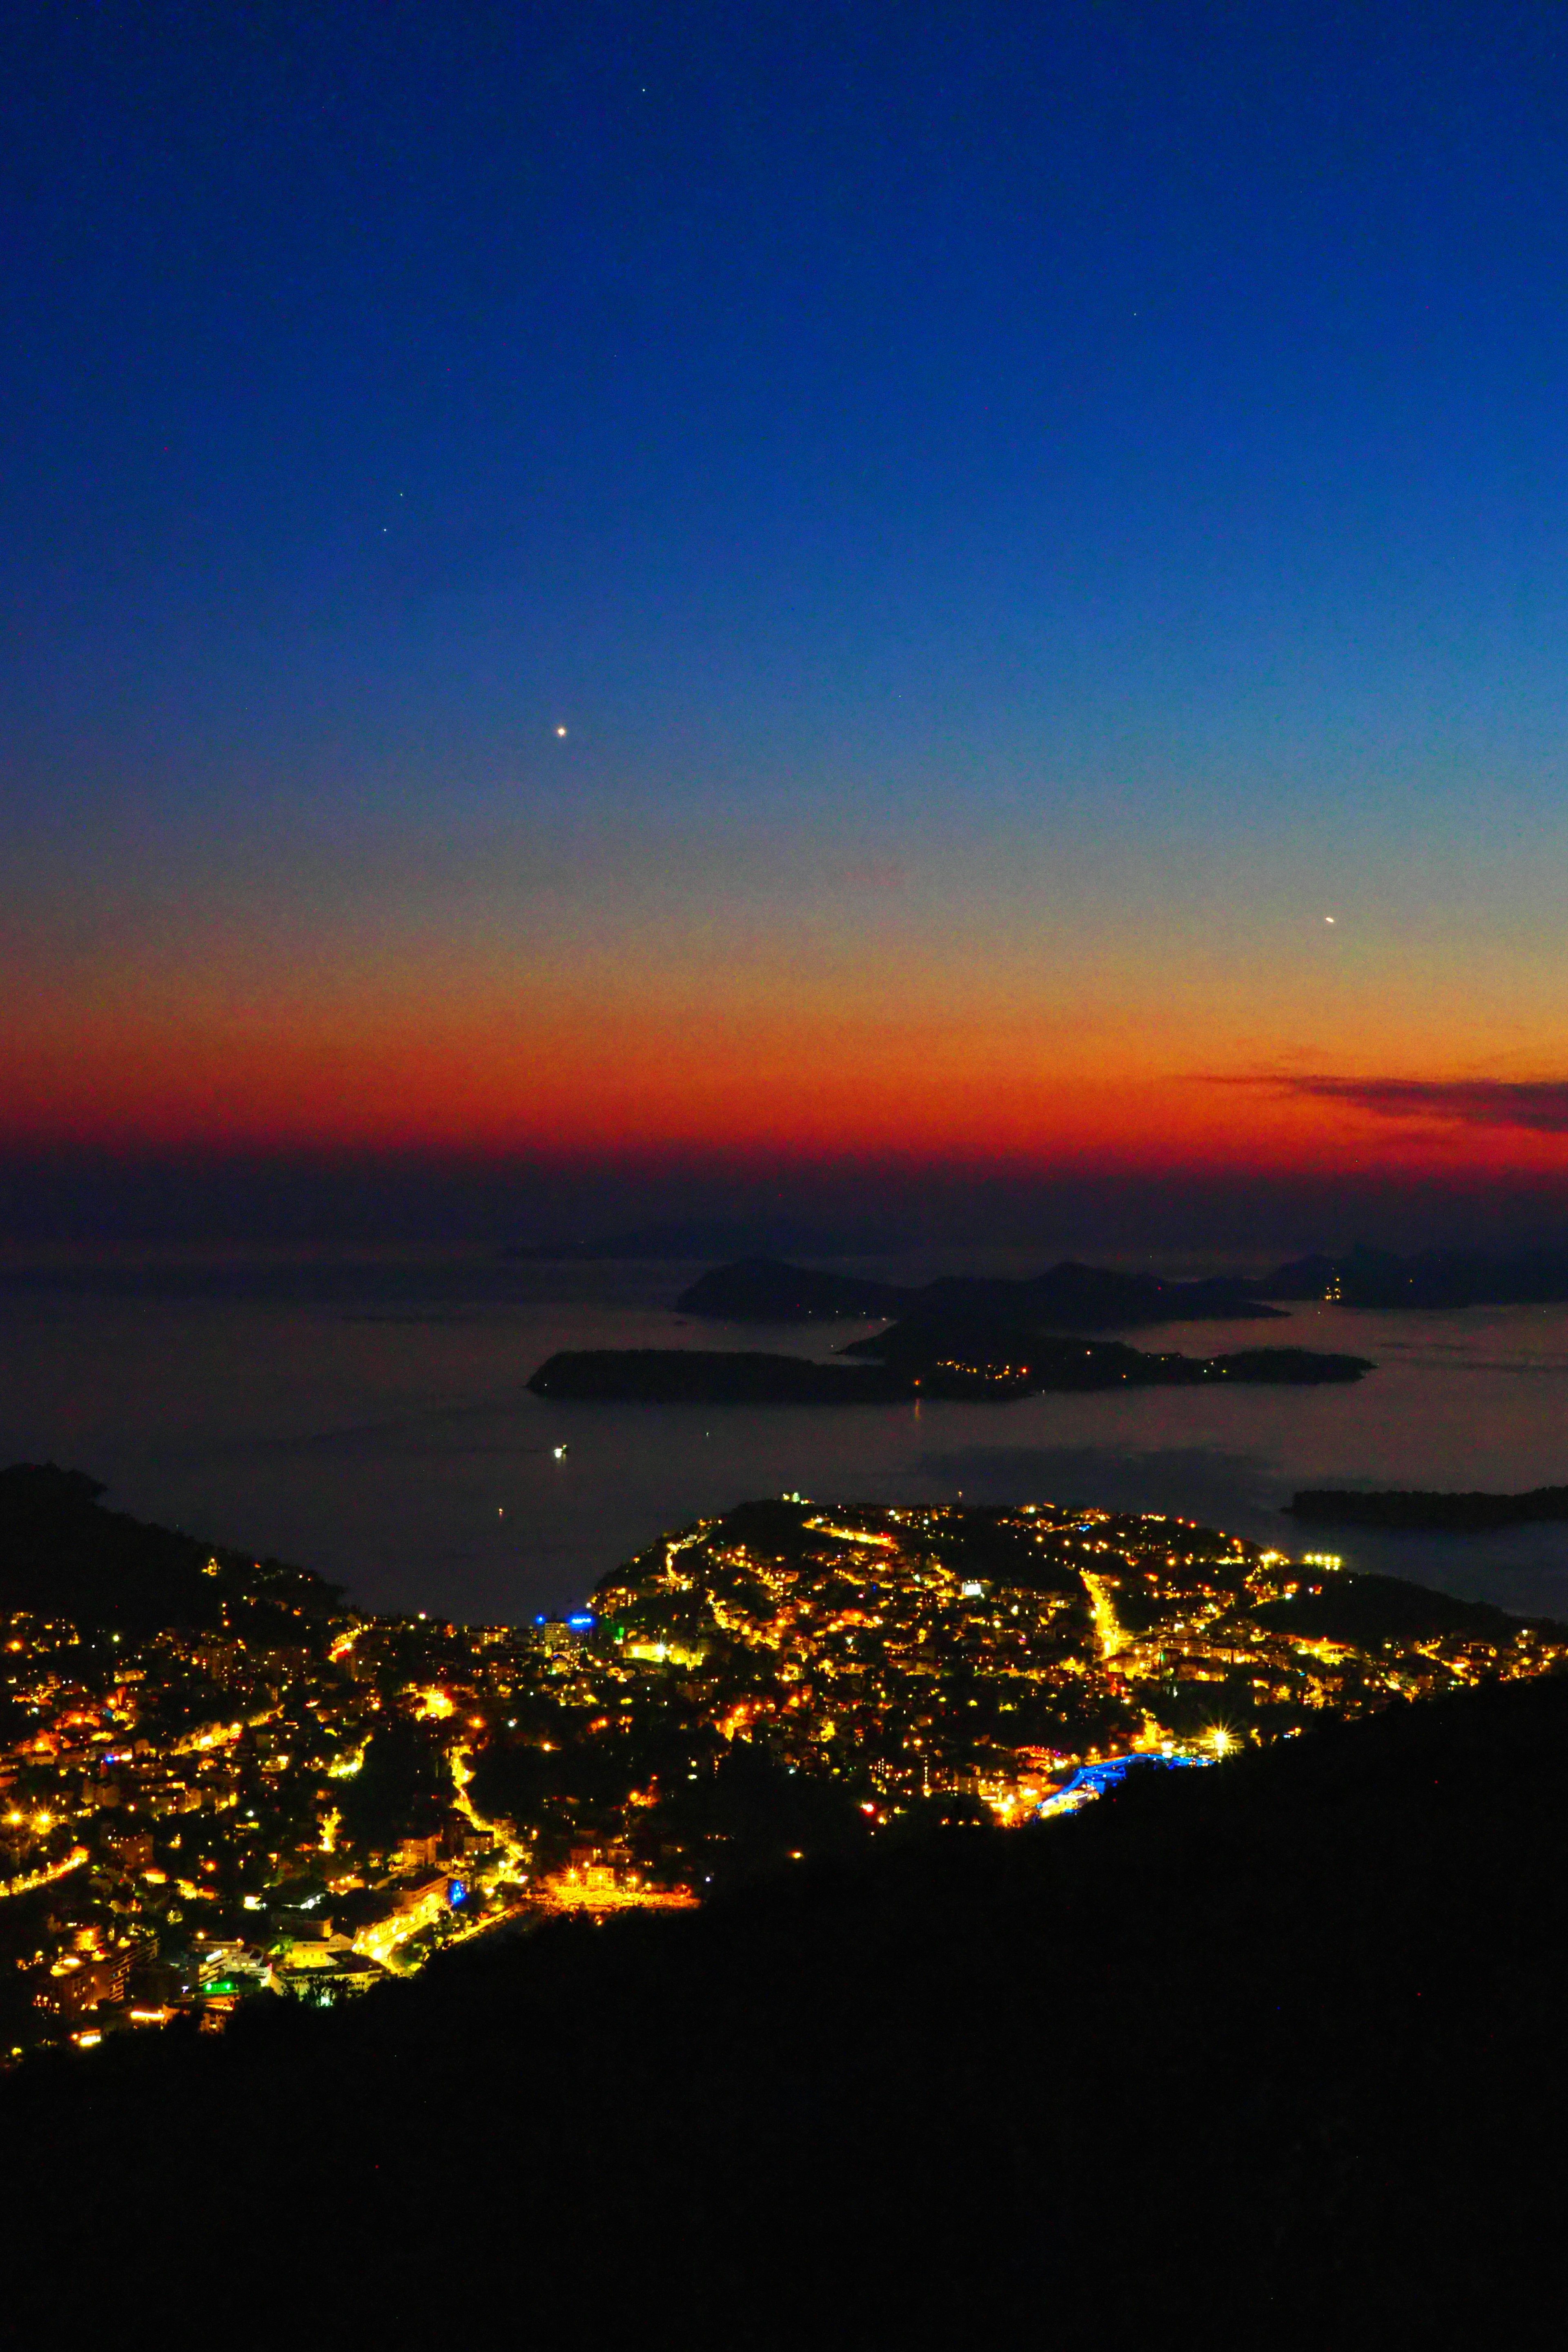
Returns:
<point x="967" y="1354"/>
<point x="922" y="1357"/>
<point x="1070" y="1296"/>
<point x="1066" y="1296"/>
<point x="1421" y="1510"/>
<point x="1428" y="1279"/>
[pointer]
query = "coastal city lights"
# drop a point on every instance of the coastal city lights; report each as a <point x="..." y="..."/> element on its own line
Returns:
<point x="296" y="1797"/>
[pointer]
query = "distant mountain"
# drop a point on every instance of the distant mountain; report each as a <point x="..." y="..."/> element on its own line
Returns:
<point x="1420" y="1509"/>
<point x="1437" y="1279"/>
<point x="1067" y="1296"/>
<point x="686" y="1238"/>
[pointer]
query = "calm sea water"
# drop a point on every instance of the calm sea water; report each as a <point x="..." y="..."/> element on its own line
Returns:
<point x="370" y="1419"/>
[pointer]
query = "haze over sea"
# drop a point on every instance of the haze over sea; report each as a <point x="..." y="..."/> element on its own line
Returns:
<point x="368" y="1417"/>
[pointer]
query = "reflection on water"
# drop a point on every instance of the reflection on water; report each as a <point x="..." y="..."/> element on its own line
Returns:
<point x="372" y="1420"/>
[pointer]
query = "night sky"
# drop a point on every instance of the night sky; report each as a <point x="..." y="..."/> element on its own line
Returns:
<point x="1022" y="515"/>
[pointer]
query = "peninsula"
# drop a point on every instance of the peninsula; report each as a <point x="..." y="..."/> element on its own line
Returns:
<point x="1423" y="1511"/>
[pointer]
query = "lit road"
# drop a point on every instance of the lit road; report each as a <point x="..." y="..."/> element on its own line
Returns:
<point x="1111" y="1637"/>
<point x="37" y="1878"/>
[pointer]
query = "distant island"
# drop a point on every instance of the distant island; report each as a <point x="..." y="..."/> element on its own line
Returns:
<point x="760" y="1280"/>
<point x="917" y="1359"/>
<point x="960" y="1353"/>
<point x="1420" y="1509"/>
<point x="1431" y="1278"/>
<point x="1067" y="1296"/>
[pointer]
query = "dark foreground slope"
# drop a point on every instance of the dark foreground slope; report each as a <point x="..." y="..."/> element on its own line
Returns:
<point x="1273" y="2053"/>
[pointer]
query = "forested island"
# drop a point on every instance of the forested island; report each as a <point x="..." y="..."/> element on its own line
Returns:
<point x="1421" y="1509"/>
<point x="920" y="1358"/>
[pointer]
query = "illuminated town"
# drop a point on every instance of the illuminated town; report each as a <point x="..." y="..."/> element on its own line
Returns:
<point x="288" y="1796"/>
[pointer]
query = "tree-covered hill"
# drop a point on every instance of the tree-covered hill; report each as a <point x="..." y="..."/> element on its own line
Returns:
<point x="63" y="1554"/>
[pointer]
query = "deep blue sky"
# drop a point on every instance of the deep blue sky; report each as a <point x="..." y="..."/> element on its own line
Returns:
<point x="1024" y="502"/>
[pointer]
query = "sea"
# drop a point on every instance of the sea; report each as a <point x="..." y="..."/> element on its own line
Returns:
<point x="367" y="1415"/>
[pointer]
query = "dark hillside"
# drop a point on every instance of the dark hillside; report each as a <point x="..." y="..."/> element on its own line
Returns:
<point x="1367" y="1610"/>
<point x="1272" y="2052"/>
<point x="62" y="1554"/>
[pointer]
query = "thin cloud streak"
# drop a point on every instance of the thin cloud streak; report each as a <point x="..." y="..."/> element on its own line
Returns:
<point x="1537" y="1105"/>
